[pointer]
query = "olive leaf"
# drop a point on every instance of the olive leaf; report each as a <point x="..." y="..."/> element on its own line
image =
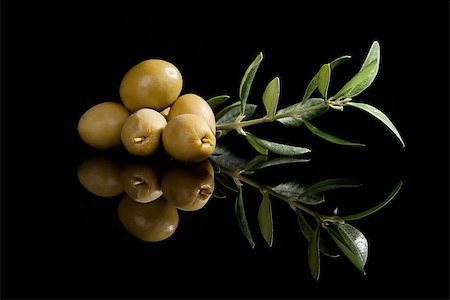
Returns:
<point x="359" y="82"/>
<point x="242" y="219"/>
<point x="372" y="55"/>
<point x="308" y="115"/>
<point x="265" y="220"/>
<point x="330" y="138"/>
<point x="356" y="240"/>
<point x="218" y="193"/>
<point x="314" y="253"/>
<point x="257" y="146"/>
<point x="247" y="81"/>
<point x="220" y="177"/>
<point x="378" y="114"/>
<point x="346" y="249"/>
<point x="263" y="145"/>
<point x="232" y="112"/>
<point x="228" y="159"/>
<point x="271" y="96"/>
<point x="224" y="110"/>
<point x="330" y="184"/>
<point x="375" y="208"/>
<point x="323" y="79"/>
<point x="217" y="100"/>
<point x="294" y="190"/>
<point x="254" y="162"/>
<point x="313" y="83"/>
<point x="275" y="162"/>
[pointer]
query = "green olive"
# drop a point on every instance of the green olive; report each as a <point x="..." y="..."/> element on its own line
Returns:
<point x="152" y="83"/>
<point x="188" y="138"/>
<point x="100" y="176"/>
<point x="101" y="124"/>
<point x="150" y="222"/>
<point x="141" y="132"/>
<point x="193" y="104"/>
<point x="188" y="188"/>
<point x="141" y="182"/>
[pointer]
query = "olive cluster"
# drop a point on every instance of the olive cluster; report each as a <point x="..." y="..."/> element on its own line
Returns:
<point x="153" y="113"/>
<point x="151" y="196"/>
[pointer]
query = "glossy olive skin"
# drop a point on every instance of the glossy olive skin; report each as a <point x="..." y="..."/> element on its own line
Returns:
<point x="188" y="138"/>
<point x="100" y="126"/>
<point x="141" y="132"/>
<point x="101" y="176"/>
<point x="193" y="104"/>
<point x="152" y="83"/>
<point x="150" y="222"/>
<point x="188" y="188"/>
<point x="141" y="182"/>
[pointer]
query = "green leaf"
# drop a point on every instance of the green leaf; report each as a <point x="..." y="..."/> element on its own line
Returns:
<point x="277" y="161"/>
<point x="217" y="100"/>
<point x="339" y="241"/>
<point x="359" y="82"/>
<point x="233" y="112"/>
<point x="218" y="193"/>
<point x="294" y="190"/>
<point x="223" y="179"/>
<point x="329" y="137"/>
<point x="265" y="220"/>
<point x="271" y="96"/>
<point x="227" y="109"/>
<point x="330" y="184"/>
<point x="308" y="115"/>
<point x="314" y="253"/>
<point x="375" y="208"/>
<point x="378" y="114"/>
<point x="255" y="161"/>
<point x="372" y="55"/>
<point x="356" y="240"/>
<point x="242" y="219"/>
<point x="247" y="80"/>
<point x="258" y="147"/>
<point x="323" y="79"/>
<point x="281" y="149"/>
<point x="313" y="83"/>
<point x="307" y="231"/>
<point x="228" y="159"/>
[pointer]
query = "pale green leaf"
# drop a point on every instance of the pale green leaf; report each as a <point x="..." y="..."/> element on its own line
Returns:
<point x="356" y="240"/>
<point x="278" y="148"/>
<point x="323" y="79"/>
<point x="217" y="100"/>
<point x="378" y="114"/>
<point x="329" y="137"/>
<point x="294" y="190"/>
<point x="265" y="220"/>
<point x="230" y="113"/>
<point x="375" y="208"/>
<point x="257" y="146"/>
<point x="359" y="82"/>
<point x="308" y="115"/>
<point x="271" y="96"/>
<point x="314" y="253"/>
<point x="247" y="79"/>
<point x="242" y="219"/>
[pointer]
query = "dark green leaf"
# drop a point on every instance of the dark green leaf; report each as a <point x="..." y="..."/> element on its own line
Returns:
<point x="218" y="193"/>
<point x="323" y="79"/>
<point x="308" y="115"/>
<point x="294" y="190"/>
<point x="223" y="179"/>
<point x="277" y="161"/>
<point x="224" y="110"/>
<point x="265" y="219"/>
<point x="375" y="112"/>
<point x="247" y="80"/>
<point x="330" y="184"/>
<point x="228" y="159"/>
<point x="356" y="240"/>
<point x="374" y="209"/>
<point x="271" y="96"/>
<point x="372" y="55"/>
<point x="346" y="249"/>
<point x="255" y="161"/>
<point x="277" y="148"/>
<point x="313" y="83"/>
<point x="217" y="100"/>
<point x="242" y="219"/>
<point x="231" y="115"/>
<point x="307" y="231"/>
<point x="258" y="147"/>
<point x="359" y="82"/>
<point x="314" y="253"/>
<point x="329" y="137"/>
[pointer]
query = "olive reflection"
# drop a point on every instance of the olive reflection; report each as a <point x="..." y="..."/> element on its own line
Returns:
<point x="152" y="196"/>
<point x="101" y="176"/>
<point x="151" y="222"/>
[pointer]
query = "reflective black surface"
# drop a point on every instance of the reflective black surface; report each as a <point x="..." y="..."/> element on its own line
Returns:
<point x="59" y="240"/>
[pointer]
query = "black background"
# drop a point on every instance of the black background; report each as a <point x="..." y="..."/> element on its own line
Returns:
<point x="60" y="58"/>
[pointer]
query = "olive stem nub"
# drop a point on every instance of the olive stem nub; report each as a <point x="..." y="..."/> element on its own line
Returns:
<point x="205" y="192"/>
<point x="139" y="139"/>
<point x="206" y="140"/>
